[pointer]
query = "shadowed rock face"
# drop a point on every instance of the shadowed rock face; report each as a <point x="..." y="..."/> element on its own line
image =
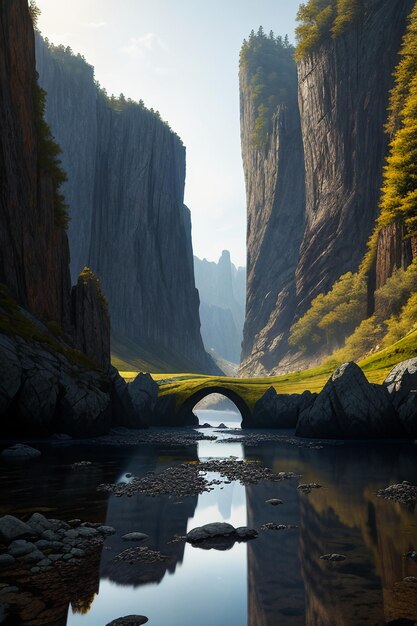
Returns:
<point x="343" y="94"/>
<point x="126" y="173"/>
<point x="34" y="252"/>
<point x="343" y="91"/>
<point x="274" y="177"/>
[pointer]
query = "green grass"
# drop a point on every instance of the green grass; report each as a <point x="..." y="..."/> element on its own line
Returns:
<point x="376" y="368"/>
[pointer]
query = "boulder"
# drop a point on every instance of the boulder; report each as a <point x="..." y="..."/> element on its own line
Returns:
<point x="349" y="407"/>
<point x="274" y="410"/>
<point x="20" y="452"/>
<point x="123" y="410"/>
<point x="10" y="372"/>
<point x="165" y="412"/>
<point x="407" y="413"/>
<point x="39" y="523"/>
<point x="143" y="392"/>
<point x="402" y="380"/>
<point x="12" y="528"/>
<point x="219" y="535"/>
<point x="84" y="407"/>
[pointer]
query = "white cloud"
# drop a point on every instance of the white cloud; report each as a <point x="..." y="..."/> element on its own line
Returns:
<point x="139" y="46"/>
<point x="94" y="25"/>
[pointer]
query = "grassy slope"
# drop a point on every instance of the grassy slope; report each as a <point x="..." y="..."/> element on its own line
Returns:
<point x="376" y="367"/>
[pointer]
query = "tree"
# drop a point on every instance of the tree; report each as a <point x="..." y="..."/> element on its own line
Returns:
<point x="35" y="13"/>
<point x="399" y="190"/>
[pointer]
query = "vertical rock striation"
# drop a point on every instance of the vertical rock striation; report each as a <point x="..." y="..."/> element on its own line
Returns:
<point x="126" y="172"/>
<point x="343" y="94"/>
<point x="312" y="228"/>
<point x="274" y="176"/>
<point x="34" y="253"/>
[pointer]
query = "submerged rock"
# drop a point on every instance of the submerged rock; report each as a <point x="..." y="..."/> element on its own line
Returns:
<point x="129" y="620"/>
<point x="349" y="407"/>
<point x="135" y="537"/>
<point x="333" y="557"/>
<point x="20" y="451"/>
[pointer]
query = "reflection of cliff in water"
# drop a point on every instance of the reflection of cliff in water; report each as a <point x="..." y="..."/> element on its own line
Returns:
<point x="275" y="585"/>
<point x="161" y="518"/>
<point x="348" y="518"/>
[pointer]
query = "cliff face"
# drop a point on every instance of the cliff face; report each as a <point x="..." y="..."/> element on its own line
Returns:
<point x="126" y="173"/>
<point x="274" y="176"/>
<point x="343" y="93"/>
<point x="222" y="306"/>
<point x="34" y="252"/>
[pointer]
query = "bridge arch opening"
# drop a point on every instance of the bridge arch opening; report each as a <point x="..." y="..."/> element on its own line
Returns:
<point x="199" y="403"/>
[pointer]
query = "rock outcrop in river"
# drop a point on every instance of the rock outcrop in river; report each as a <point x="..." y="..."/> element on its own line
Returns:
<point x="125" y="191"/>
<point x="318" y="209"/>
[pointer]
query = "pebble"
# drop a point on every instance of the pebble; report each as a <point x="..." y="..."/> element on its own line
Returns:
<point x="333" y="557"/>
<point x="274" y="501"/>
<point x="404" y="492"/>
<point x="106" y="530"/>
<point x="135" y="537"/>
<point x="6" y="560"/>
<point x="77" y="553"/>
<point x="308" y="487"/>
<point x="129" y="620"/>
<point x="141" y="555"/>
<point x="86" y="532"/>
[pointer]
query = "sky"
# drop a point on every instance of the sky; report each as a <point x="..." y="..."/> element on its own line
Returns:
<point x="182" y="58"/>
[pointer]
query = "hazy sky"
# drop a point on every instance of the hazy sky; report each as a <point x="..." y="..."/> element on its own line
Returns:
<point x="182" y="58"/>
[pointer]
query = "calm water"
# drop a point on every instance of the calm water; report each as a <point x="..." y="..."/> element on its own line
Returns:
<point x="276" y="579"/>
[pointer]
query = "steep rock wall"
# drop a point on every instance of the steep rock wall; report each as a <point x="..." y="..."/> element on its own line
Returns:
<point x="126" y="173"/>
<point x="343" y="95"/>
<point x="34" y="253"/>
<point x="274" y="176"/>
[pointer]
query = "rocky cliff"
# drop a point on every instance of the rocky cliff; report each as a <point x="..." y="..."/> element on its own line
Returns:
<point x="274" y="176"/>
<point x="54" y="345"/>
<point x="343" y="92"/>
<point x="125" y="192"/>
<point x="34" y="253"/>
<point x="222" y="305"/>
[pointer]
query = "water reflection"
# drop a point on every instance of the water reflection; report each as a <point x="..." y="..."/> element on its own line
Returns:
<point x="278" y="578"/>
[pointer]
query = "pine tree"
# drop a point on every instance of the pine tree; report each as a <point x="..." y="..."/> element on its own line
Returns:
<point x="399" y="191"/>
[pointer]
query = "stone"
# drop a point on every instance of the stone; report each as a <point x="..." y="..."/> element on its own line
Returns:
<point x="13" y="528"/>
<point x="407" y="413"/>
<point x="34" y="556"/>
<point x="20" y="452"/>
<point x="86" y="533"/>
<point x="6" y="560"/>
<point x="106" y="530"/>
<point x="274" y="501"/>
<point x="245" y="533"/>
<point x="274" y="410"/>
<point x="402" y="380"/>
<point x="49" y="535"/>
<point x="210" y="533"/>
<point x="129" y="620"/>
<point x="143" y="392"/>
<point x="333" y="557"/>
<point x="78" y="553"/>
<point x="350" y="408"/>
<point x="135" y="536"/>
<point x="20" y="547"/>
<point x="216" y="529"/>
<point x="124" y="413"/>
<point x="39" y="523"/>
